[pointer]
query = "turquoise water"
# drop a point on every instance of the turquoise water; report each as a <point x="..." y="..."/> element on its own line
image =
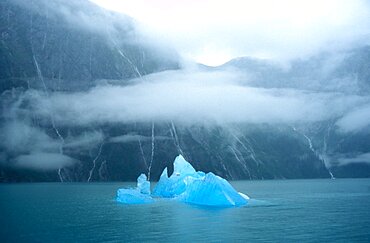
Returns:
<point x="282" y="211"/>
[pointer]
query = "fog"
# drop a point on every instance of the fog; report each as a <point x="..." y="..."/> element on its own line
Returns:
<point x="359" y="158"/>
<point x="355" y="120"/>
<point x="18" y="136"/>
<point x="86" y="140"/>
<point x="191" y="97"/>
<point x="185" y="97"/>
<point x="32" y="147"/>
<point x="213" y="32"/>
<point x="44" y="161"/>
<point x="134" y="138"/>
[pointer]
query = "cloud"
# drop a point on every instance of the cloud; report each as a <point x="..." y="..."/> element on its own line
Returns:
<point x="19" y="137"/>
<point x="118" y="30"/>
<point x="221" y="30"/>
<point x="44" y="161"/>
<point x="30" y="147"/>
<point x="85" y="140"/>
<point x="361" y="158"/>
<point x="190" y="97"/>
<point x="128" y="138"/>
<point x="355" y="120"/>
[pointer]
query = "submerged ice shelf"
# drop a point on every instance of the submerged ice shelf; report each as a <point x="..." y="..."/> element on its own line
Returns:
<point x="186" y="185"/>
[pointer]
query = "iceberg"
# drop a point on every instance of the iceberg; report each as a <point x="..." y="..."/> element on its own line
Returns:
<point x="143" y="184"/>
<point x="185" y="185"/>
<point x="138" y="195"/>
<point x="196" y="187"/>
<point x="176" y="184"/>
<point x="212" y="190"/>
<point x="133" y="196"/>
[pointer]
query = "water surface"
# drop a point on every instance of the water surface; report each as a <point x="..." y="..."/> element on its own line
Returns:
<point x="282" y="211"/>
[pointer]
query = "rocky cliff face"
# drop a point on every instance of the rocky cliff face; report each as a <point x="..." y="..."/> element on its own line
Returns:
<point x="346" y="153"/>
<point x="68" y="47"/>
<point x="71" y="44"/>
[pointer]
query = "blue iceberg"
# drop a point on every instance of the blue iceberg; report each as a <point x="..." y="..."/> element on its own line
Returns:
<point x="143" y="185"/>
<point x="212" y="190"/>
<point x="186" y="185"/>
<point x="139" y="195"/>
<point x="133" y="196"/>
<point x="176" y="184"/>
<point x="194" y="187"/>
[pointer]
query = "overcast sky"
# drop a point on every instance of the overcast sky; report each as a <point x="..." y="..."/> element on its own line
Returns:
<point x="214" y="31"/>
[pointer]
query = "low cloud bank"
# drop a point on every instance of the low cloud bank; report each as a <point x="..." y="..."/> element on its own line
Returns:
<point x="194" y="97"/>
<point x="185" y="97"/>
<point x="361" y="158"/>
<point x="43" y="161"/>
<point x="128" y="138"/>
<point x="30" y="147"/>
<point x="355" y="120"/>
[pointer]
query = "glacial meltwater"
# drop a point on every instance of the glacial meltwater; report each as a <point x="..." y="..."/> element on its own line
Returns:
<point x="280" y="211"/>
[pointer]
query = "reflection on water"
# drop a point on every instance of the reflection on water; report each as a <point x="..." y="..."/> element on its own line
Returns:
<point x="291" y="210"/>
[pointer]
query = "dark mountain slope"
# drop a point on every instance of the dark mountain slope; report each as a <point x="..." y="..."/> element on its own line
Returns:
<point x="60" y="46"/>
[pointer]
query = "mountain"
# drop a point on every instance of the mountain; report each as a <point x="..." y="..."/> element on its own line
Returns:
<point x="344" y="74"/>
<point x="72" y="44"/>
<point x="52" y="48"/>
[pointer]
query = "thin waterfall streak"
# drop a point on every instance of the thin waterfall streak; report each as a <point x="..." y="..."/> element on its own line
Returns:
<point x="176" y="138"/>
<point x="240" y="142"/>
<point x="131" y="63"/>
<point x="60" y="175"/>
<point x="331" y="175"/>
<point x="173" y="138"/>
<point x="250" y="150"/>
<point x="309" y="143"/>
<point x="326" y="137"/>
<point x="101" y="169"/>
<point x="222" y="163"/>
<point x="94" y="162"/>
<point x="58" y="134"/>
<point x="251" y="147"/>
<point x="322" y="156"/>
<point x="142" y="152"/>
<point x="243" y="163"/>
<point x="61" y="145"/>
<point x="133" y="66"/>
<point x="152" y="154"/>
<point x="39" y="73"/>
